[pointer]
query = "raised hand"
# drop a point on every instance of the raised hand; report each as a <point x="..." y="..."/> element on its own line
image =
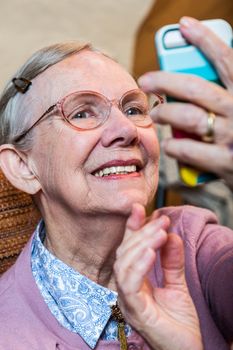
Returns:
<point x="165" y="317"/>
<point x="201" y="97"/>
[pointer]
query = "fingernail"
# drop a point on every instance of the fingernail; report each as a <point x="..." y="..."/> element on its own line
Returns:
<point x="164" y="144"/>
<point x="187" y="22"/>
<point x="161" y="233"/>
<point x="162" y="222"/>
<point x="154" y="114"/>
<point x="158" y="231"/>
<point x="144" y="80"/>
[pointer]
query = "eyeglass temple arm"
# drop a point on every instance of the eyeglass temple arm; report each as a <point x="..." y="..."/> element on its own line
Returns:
<point x="21" y="136"/>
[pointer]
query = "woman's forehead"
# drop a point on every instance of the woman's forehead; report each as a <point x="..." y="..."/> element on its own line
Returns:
<point x="86" y="70"/>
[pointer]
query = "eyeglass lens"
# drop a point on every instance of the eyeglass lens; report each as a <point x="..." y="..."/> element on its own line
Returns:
<point x="86" y="110"/>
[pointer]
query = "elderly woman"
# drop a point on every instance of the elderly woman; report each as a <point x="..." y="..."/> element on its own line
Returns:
<point x="76" y="134"/>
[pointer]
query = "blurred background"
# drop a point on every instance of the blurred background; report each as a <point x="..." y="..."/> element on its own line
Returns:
<point x="123" y="28"/>
<point x="27" y="25"/>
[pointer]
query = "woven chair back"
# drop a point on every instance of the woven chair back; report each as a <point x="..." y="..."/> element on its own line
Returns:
<point x="18" y="218"/>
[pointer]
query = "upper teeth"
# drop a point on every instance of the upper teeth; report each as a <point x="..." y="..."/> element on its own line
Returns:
<point x="116" y="170"/>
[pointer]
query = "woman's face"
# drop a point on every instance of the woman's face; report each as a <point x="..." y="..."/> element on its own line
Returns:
<point x="67" y="162"/>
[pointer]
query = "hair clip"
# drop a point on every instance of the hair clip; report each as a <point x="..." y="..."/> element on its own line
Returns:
<point x="21" y="84"/>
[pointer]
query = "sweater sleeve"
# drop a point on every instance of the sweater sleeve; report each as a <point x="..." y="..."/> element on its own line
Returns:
<point x="215" y="268"/>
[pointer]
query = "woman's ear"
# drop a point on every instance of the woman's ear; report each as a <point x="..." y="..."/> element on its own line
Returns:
<point x="14" y="165"/>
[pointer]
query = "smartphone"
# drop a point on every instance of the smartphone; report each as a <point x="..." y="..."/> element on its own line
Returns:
<point x="177" y="55"/>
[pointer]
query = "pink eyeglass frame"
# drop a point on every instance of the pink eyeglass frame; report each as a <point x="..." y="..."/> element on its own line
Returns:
<point x="60" y="103"/>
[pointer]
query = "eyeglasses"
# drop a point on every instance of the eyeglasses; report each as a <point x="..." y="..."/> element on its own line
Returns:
<point x="86" y="110"/>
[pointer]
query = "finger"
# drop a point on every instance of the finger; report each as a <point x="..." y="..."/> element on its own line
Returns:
<point x="131" y="253"/>
<point x="131" y="278"/>
<point x="182" y="116"/>
<point x="210" y="157"/>
<point x="136" y="220"/>
<point x="137" y="217"/>
<point x="155" y="215"/>
<point x="194" y="120"/>
<point x="134" y="263"/>
<point x="220" y="54"/>
<point x="150" y="229"/>
<point x="186" y="87"/>
<point x="141" y="237"/>
<point x="172" y="260"/>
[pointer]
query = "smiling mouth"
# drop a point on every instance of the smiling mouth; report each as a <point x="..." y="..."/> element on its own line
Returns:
<point x="116" y="170"/>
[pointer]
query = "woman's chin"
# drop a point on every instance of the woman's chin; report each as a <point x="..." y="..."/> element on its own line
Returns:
<point x="123" y="204"/>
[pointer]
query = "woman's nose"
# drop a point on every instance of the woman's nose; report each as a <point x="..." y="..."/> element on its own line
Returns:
<point x="119" y="130"/>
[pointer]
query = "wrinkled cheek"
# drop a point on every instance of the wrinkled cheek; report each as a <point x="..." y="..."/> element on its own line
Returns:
<point x="152" y="143"/>
<point x="153" y="154"/>
<point x="49" y="162"/>
<point x="153" y="179"/>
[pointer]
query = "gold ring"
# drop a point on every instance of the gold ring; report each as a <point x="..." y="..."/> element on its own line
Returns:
<point x="209" y="135"/>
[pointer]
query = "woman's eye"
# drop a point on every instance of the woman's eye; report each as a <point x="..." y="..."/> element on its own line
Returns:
<point x="134" y="111"/>
<point x="81" y="115"/>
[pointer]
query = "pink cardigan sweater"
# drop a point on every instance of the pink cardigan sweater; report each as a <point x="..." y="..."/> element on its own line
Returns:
<point x="27" y="324"/>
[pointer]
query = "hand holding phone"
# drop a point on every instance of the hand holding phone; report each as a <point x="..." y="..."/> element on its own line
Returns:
<point x="177" y="55"/>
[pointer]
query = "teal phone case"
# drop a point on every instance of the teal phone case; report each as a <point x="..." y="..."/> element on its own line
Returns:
<point x="176" y="55"/>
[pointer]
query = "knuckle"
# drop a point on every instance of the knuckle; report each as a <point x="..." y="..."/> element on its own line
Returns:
<point x="185" y="154"/>
<point x="194" y="88"/>
<point x="193" y="118"/>
<point x="157" y="113"/>
<point x="225" y="56"/>
<point x="226" y="166"/>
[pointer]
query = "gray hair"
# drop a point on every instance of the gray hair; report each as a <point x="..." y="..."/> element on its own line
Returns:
<point x="12" y="122"/>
